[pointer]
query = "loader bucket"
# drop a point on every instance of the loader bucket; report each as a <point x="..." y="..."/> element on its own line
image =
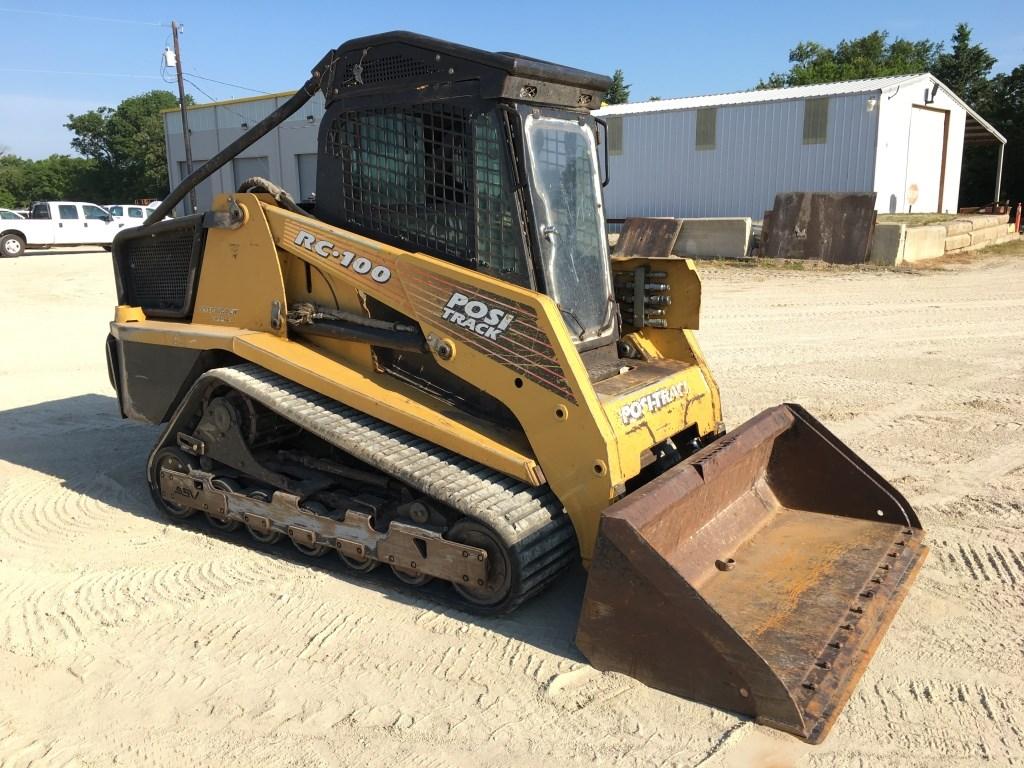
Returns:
<point x="757" y="576"/>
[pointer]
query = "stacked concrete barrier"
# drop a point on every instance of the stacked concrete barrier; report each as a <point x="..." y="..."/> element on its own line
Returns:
<point x="709" y="238"/>
<point x="895" y="243"/>
<point x="714" y="238"/>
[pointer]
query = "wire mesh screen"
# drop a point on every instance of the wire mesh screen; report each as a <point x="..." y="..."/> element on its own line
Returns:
<point x="386" y="69"/>
<point x="157" y="270"/>
<point x="432" y="176"/>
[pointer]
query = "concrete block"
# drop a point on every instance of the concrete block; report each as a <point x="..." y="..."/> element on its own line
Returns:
<point x="887" y="245"/>
<point x="714" y="238"/>
<point x="954" y="242"/>
<point x="985" y="236"/>
<point x="928" y="242"/>
<point x="958" y="227"/>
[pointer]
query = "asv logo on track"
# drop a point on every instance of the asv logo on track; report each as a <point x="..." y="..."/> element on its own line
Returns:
<point x="476" y="316"/>
<point x="358" y="264"/>
<point x="655" y="401"/>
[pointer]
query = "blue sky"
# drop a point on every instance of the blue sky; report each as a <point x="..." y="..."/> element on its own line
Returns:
<point x="670" y="49"/>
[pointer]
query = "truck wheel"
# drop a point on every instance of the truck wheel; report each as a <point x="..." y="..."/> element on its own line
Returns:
<point x="12" y="245"/>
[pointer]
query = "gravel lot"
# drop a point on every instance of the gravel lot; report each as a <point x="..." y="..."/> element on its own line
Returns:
<point x="127" y="640"/>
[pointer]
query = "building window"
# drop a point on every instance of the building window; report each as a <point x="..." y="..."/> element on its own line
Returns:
<point x="816" y="121"/>
<point x="707" y="119"/>
<point x="615" y="135"/>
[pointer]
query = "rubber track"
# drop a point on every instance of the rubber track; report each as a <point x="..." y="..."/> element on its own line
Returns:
<point x="530" y="519"/>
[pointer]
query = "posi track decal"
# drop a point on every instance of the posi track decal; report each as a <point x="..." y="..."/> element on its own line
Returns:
<point x="649" y="403"/>
<point x="474" y="315"/>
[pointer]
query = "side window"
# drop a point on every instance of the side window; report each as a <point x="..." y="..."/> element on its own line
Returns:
<point x="707" y="119"/>
<point x="41" y="211"/>
<point x="116" y="210"/>
<point x="7" y="215"/>
<point x="94" y="212"/>
<point x="68" y="211"/>
<point x="614" y="134"/>
<point x="135" y="213"/>
<point x="816" y="121"/>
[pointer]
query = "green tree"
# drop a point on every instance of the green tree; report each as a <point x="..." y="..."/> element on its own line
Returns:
<point x="58" y="177"/>
<point x="863" y="57"/>
<point x="966" y="68"/>
<point x="618" y="91"/>
<point x="126" y="143"/>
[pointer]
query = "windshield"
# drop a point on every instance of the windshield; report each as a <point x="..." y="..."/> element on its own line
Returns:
<point x="567" y="200"/>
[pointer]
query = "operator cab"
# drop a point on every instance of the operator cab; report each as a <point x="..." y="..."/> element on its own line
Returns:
<point x="487" y="160"/>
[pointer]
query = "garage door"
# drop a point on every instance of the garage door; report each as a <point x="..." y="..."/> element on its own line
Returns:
<point x="926" y="159"/>
<point x="307" y="175"/>
<point x="247" y="167"/>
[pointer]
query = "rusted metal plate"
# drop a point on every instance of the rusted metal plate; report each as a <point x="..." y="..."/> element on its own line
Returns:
<point x="757" y="576"/>
<point x="648" y="238"/>
<point x="835" y="228"/>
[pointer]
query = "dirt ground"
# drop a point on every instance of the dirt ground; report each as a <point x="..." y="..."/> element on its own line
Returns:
<point x="125" y="640"/>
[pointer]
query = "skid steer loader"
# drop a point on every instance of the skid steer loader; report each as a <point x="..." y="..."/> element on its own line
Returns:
<point x="438" y="368"/>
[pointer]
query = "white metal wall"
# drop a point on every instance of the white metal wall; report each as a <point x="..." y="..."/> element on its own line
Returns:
<point x="214" y="127"/>
<point x="759" y="152"/>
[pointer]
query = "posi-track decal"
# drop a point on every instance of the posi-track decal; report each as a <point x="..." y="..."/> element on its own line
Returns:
<point x="476" y="316"/>
<point x="649" y="403"/>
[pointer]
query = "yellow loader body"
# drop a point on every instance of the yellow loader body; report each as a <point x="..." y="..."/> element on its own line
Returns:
<point x="444" y="372"/>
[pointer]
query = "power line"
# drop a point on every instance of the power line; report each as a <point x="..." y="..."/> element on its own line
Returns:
<point x="87" y="18"/>
<point x="76" y="72"/>
<point x="211" y="98"/>
<point x="229" y="85"/>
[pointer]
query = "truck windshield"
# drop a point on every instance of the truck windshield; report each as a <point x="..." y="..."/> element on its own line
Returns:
<point x="567" y="200"/>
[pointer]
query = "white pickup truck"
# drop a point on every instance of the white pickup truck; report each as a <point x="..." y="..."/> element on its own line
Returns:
<point x="56" y="224"/>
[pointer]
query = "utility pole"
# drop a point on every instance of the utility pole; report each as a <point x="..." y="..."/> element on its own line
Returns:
<point x="184" y="115"/>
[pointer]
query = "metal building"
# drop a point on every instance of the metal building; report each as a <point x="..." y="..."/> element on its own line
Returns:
<point x="729" y="154"/>
<point x="720" y="155"/>
<point x="286" y="155"/>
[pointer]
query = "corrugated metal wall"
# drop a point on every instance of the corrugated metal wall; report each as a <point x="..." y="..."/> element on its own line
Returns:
<point x="759" y="152"/>
<point x="213" y="127"/>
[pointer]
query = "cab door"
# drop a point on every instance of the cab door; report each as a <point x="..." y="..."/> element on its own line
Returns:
<point x="99" y="227"/>
<point x="69" y="225"/>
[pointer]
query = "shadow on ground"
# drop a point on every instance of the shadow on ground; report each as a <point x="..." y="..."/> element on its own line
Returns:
<point x="84" y="443"/>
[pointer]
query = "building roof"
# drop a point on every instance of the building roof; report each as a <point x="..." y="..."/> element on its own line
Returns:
<point x="872" y="85"/>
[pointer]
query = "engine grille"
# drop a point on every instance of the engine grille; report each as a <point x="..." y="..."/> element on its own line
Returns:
<point x="157" y="268"/>
<point x="386" y="69"/>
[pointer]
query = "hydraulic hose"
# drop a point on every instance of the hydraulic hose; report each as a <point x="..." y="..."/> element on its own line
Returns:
<point x="247" y="139"/>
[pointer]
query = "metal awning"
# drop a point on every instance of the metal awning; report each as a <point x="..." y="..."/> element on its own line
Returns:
<point x="977" y="131"/>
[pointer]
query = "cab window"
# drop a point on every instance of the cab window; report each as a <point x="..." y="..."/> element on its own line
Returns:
<point x="41" y="211"/>
<point x="68" y="211"/>
<point x="116" y="210"/>
<point x="135" y="213"/>
<point x="94" y="212"/>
